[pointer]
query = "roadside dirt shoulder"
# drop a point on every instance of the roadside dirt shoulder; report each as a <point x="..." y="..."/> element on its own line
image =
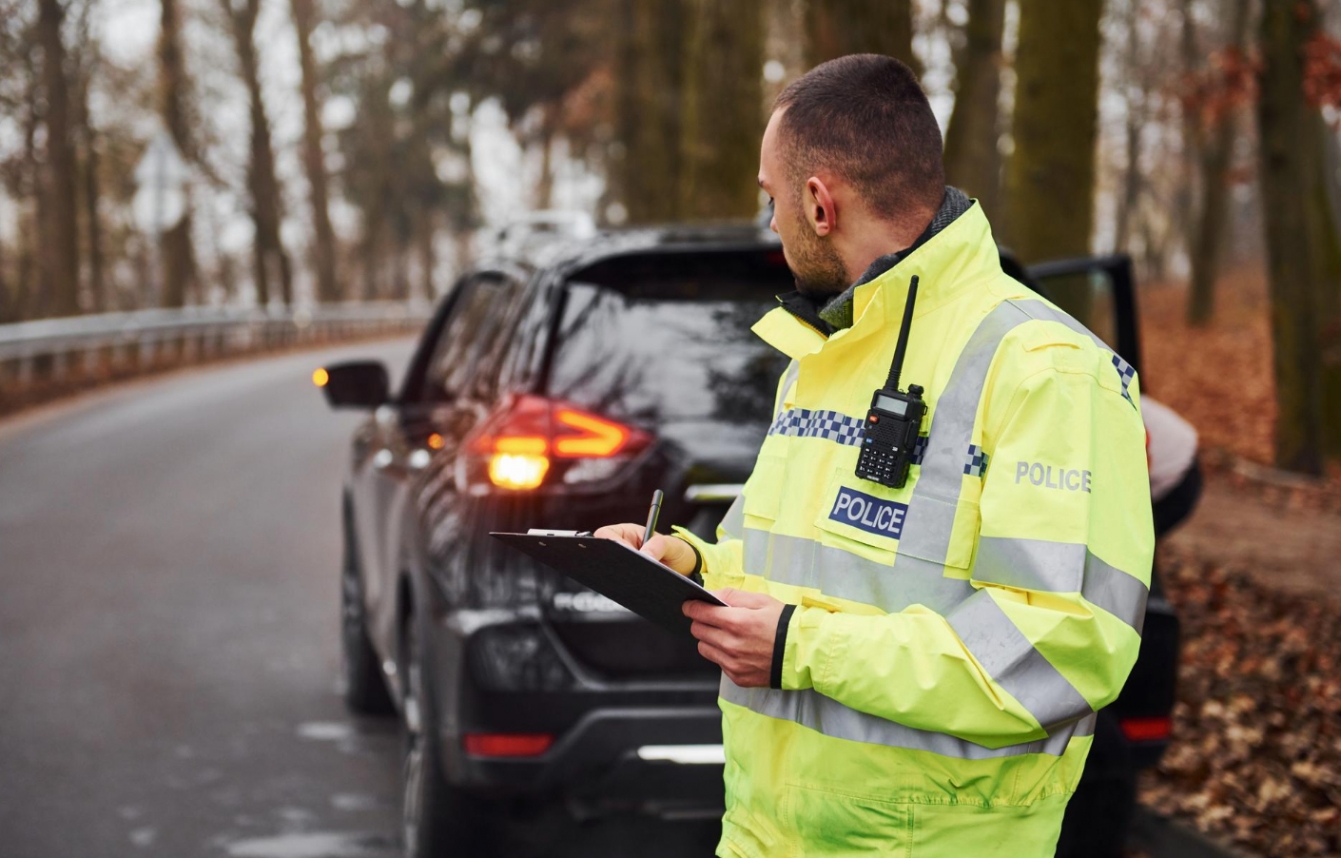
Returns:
<point x="1288" y="539"/>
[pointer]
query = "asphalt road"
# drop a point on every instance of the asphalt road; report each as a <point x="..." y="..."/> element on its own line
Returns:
<point x="168" y="625"/>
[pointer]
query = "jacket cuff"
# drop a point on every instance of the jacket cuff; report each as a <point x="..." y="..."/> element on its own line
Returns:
<point x="780" y="646"/>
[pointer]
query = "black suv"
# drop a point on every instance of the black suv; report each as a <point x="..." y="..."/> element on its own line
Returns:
<point x="561" y="390"/>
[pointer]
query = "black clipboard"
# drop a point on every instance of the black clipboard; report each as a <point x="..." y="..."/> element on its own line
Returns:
<point x="616" y="571"/>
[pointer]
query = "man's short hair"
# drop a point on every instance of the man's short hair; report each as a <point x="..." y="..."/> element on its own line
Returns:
<point x="865" y="117"/>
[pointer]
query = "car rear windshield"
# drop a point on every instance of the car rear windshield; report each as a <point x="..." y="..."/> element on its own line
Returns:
<point x="667" y="338"/>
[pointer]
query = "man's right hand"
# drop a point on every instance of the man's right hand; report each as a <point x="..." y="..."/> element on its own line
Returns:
<point x="668" y="550"/>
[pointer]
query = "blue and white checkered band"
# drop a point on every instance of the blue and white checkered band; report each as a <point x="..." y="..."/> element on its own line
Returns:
<point x="1127" y="372"/>
<point x="830" y="425"/>
<point x="976" y="463"/>
<point x="919" y="450"/>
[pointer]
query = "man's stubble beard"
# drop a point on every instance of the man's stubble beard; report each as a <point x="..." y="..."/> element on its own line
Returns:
<point x="816" y="267"/>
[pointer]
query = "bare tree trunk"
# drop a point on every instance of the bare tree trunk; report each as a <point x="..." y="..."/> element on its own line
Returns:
<point x="1327" y="216"/>
<point x="428" y="257"/>
<point x="1050" y="177"/>
<point x="647" y="173"/>
<point x="265" y="209"/>
<point x="722" y="109"/>
<point x="314" y="159"/>
<point x="1302" y="256"/>
<point x="88" y="144"/>
<point x="400" y="278"/>
<point x="60" y="243"/>
<point x="972" y="159"/>
<point x="1131" y="179"/>
<point x="1132" y="182"/>
<point x="28" y="265"/>
<point x="179" y="259"/>
<point x="7" y="310"/>
<point x="375" y="178"/>
<point x="544" y="191"/>
<point x="1216" y="157"/>
<point x="839" y="27"/>
<point x="1186" y="199"/>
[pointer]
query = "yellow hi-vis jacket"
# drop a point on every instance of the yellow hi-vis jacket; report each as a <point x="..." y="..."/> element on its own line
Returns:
<point x="952" y="639"/>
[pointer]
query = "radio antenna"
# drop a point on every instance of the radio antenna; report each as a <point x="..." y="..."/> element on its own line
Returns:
<point x="896" y="368"/>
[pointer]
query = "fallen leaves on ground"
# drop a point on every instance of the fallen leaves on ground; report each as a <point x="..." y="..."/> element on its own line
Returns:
<point x="1256" y="752"/>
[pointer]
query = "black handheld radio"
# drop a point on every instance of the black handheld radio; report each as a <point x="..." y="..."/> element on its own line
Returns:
<point x="895" y="418"/>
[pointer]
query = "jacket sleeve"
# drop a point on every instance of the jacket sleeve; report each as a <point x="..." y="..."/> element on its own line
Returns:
<point x="723" y="562"/>
<point x="1060" y="573"/>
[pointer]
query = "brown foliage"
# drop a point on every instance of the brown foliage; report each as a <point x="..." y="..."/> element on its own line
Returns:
<point x="1228" y="82"/>
<point x="1322" y="71"/>
<point x="1256" y="756"/>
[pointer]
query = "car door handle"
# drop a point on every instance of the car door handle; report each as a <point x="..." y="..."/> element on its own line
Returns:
<point x="712" y="492"/>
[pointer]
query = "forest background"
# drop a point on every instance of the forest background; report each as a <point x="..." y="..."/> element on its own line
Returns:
<point x="325" y="151"/>
<point x="367" y="149"/>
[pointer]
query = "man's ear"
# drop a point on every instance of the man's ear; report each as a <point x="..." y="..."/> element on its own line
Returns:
<point x="819" y="206"/>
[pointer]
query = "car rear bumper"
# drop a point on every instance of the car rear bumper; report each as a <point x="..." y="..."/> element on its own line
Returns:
<point x="597" y="725"/>
<point x="612" y="758"/>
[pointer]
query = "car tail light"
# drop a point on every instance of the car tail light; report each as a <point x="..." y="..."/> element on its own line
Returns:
<point x="532" y="439"/>
<point x="1146" y="729"/>
<point x="506" y="744"/>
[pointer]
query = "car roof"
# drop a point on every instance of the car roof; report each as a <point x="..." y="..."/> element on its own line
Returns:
<point x="567" y="256"/>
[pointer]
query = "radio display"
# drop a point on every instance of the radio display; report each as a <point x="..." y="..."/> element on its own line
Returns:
<point x="892" y="405"/>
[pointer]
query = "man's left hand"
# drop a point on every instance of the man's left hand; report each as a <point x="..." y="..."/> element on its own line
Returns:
<point x="739" y="638"/>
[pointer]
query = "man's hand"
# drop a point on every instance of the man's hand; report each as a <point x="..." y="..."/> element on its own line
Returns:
<point x="668" y="550"/>
<point x="739" y="638"/>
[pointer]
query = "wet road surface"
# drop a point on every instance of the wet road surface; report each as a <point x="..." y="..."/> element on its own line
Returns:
<point x="168" y="636"/>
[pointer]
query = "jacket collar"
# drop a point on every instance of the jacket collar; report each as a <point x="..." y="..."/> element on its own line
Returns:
<point x="838" y="311"/>
<point x="947" y="264"/>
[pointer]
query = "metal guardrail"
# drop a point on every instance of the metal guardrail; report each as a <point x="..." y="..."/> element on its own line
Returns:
<point x="56" y="350"/>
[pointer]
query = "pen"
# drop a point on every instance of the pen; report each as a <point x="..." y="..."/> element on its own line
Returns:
<point x="652" y="514"/>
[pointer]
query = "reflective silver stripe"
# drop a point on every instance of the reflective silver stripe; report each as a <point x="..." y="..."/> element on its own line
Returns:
<point x="823" y="714"/>
<point x="1030" y="564"/>
<point x="788" y="377"/>
<point x="1061" y="567"/>
<point x="1042" y="312"/>
<point x="927" y="529"/>
<point x="1011" y="659"/>
<point x="733" y="523"/>
<point x="1122" y="595"/>
<point x="835" y="572"/>
<point x="712" y="492"/>
<point x="931" y="509"/>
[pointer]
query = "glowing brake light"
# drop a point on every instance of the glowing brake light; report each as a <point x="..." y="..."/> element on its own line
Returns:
<point x="520" y="445"/>
<point x="517" y="471"/>
<point x="599" y="438"/>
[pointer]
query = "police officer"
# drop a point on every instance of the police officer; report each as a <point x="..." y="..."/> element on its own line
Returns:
<point x="915" y="670"/>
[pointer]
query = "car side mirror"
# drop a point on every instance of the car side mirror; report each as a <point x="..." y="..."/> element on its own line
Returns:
<point x="362" y="384"/>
